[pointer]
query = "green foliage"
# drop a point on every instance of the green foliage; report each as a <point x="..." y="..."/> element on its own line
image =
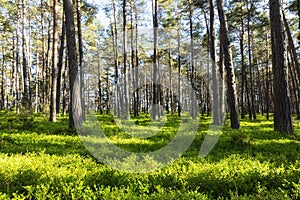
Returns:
<point x="45" y="161"/>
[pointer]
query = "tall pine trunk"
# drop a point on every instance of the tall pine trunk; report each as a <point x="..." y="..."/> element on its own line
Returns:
<point x="230" y="77"/>
<point x="216" y="113"/>
<point x="156" y="102"/>
<point x="282" y="108"/>
<point x="81" y="67"/>
<point x="60" y="64"/>
<point x="54" y="63"/>
<point x="75" y="112"/>
<point x="125" y="109"/>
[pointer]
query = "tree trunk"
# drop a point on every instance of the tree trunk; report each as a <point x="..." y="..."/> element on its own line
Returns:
<point x="230" y="77"/>
<point x="81" y="67"/>
<point x="133" y="63"/>
<point x="24" y="51"/>
<point x="137" y="63"/>
<point x="295" y="87"/>
<point x="37" y="79"/>
<point x="100" y="109"/>
<point x="252" y="107"/>
<point x="179" y="68"/>
<point x="267" y="80"/>
<point x="221" y="85"/>
<point x="243" y="66"/>
<point x="216" y="116"/>
<point x="43" y="54"/>
<point x="116" y="63"/>
<point x="125" y="108"/>
<point x="282" y="108"/>
<point x="75" y="112"/>
<point x="155" y="104"/>
<point x="192" y="75"/>
<point x="54" y="63"/>
<point x="60" y="64"/>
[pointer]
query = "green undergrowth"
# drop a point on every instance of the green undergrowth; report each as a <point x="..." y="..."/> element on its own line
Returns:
<point x="44" y="160"/>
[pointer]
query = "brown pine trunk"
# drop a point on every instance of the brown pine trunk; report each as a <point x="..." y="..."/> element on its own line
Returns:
<point x="24" y="54"/>
<point x="116" y="63"/>
<point x="60" y="64"/>
<point x="125" y="109"/>
<point x="3" y="76"/>
<point x="81" y="67"/>
<point x="192" y="75"/>
<point x="179" y="69"/>
<point x="216" y="113"/>
<point x="243" y="66"/>
<point x="156" y="102"/>
<point x="252" y="102"/>
<point x="221" y="85"/>
<point x="75" y="112"/>
<point x="295" y="86"/>
<point x="230" y="77"/>
<point x="54" y="63"/>
<point x="100" y="109"/>
<point x="282" y="108"/>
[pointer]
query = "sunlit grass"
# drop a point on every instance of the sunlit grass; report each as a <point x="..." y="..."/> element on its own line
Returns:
<point x="44" y="160"/>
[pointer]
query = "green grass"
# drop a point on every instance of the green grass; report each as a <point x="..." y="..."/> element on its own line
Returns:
<point x="43" y="160"/>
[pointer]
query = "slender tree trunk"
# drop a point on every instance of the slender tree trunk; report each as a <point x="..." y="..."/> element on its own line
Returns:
<point x="179" y="68"/>
<point x="282" y="108"/>
<point x="126" y="102"/>
<point x="192" y="75"/>
<point x="155" y="108"/>
<point x="43" y="54"/>
<point x="243" y="66"/>
<point x="60" y="63"/>
<point x="221" y="85"/>
<point x="137" y="93"/>
<point x="216" y="116"/>
<point x="47" y="66"/>
<point x="230" y="77"/>
<point x="133" y="62"/>
<point x="37" y="79"/>
<point x="54" y="63"/>
<point x="116" y="62"/>
<point x="75" y="112"/>
<point x="295" y="87"/>
<point x="291" y="45"/>
<point x="17" y="89"/>
<point x="81" y="67"/>
<point x="64" y="89"/>
<point x="250" y="62"/>
<point x="24" y="52"/>
<point x="13" y="73"/>
<point x="2" y="75"/>
<point x="99" y="85"/>
<point x="267" y="80"/>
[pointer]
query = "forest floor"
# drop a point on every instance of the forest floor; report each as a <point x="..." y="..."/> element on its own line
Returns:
<point x="44" y="160"/>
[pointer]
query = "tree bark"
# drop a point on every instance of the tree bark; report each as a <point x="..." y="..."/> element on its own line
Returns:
<point x="252" y="102"/>
<point x="60" y="63"/>
<point x="125" y="109"/>
<point x="243" y="66"/>
<point x="230" y="76"/>
<point x="216" y="113"/>
<point x="81" y="67"/>
<point x="282" y="108"/>
<point x="155" y="104"/>
<point x="75" y="112"/>
<point x="54" y="63"/>
<point x="116" y="62"/>
<point x="24" y="54"/>
<point x="179" y="69"/>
